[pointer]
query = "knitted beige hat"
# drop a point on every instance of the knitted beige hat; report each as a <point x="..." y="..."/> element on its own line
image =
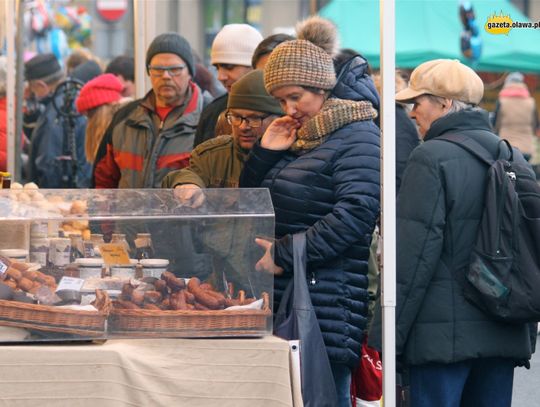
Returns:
<point x="306" y="61"/>
<point x="235" y="44"/>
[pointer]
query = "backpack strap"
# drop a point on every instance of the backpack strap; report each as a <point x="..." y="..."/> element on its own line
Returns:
<point x="475" y="148"/>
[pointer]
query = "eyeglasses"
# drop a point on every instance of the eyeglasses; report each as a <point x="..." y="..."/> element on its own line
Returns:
<point x="158" y="71"/>
<point x="253" y="122"/>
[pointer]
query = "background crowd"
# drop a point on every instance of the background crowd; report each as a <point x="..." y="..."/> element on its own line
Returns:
<point x="301" y="117"/>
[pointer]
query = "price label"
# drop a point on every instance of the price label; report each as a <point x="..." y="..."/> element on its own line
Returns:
<point x="70" y="283"/>
<point x="113" y="253"/>
<point x="3" y="268"/>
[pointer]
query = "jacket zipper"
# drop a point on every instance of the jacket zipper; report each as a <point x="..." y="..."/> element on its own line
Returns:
<point x="499" y="214"/>
<point x="150" y="167"/>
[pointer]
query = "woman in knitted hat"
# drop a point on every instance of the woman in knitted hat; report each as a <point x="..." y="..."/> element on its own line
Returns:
<point x="321" y="165"/>
<point x="99" y="100"/>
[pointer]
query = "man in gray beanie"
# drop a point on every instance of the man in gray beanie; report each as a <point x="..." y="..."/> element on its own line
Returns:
<point x="152" y="136"/>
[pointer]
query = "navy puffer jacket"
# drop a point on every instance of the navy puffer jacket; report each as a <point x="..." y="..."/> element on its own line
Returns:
<point x="332" y="193"/>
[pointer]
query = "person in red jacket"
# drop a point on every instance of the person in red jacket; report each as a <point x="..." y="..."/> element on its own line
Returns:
<point x="99" y="99"/>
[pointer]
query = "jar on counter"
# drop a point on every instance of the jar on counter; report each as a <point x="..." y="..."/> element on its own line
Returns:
<point x="120" y="238"/>
<point x="18" y="255"/>
<point x="77" y="248"/>
<point x="143" y="243"/>
<point x="154" y="267"/>
<point x="91" y="247"/>
<point x="59" y="251"/>
<point x="5" y="180"/>
<point x="39" y="251"/>
<point x="89" y="267"/>
<point x="39" y="229"/>
<point x="124" y="271"/>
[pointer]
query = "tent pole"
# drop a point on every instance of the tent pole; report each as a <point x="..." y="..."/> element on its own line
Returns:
<point x="10" y="82"/>
<point x="388" y="218"/>
<point x="19" y="90"/>
<point x="144" y="27"/>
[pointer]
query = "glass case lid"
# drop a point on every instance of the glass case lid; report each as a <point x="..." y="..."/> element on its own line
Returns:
<point x="35" y="204"/>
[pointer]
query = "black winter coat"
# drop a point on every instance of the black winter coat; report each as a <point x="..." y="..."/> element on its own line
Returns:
<point x="51" y="142"/>
<point x="332" y="193"/>
<point x="438" y="212"/>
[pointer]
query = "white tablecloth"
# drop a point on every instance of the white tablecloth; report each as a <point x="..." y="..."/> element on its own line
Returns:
<point x="148" y="373"/>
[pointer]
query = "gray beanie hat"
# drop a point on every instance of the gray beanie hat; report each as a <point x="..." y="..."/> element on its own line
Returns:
<point x="41" y="66"/>
<point x="248" y="93"/>
<point x="172" y="43"/>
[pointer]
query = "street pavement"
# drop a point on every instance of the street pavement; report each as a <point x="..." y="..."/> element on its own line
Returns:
<point x="527" y="382"/>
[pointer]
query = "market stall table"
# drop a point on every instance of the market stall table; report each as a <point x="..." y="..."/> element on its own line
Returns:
<point x="148" y="372"/>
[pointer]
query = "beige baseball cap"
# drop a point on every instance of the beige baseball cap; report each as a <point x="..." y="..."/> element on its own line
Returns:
<point x="447" y="78"/>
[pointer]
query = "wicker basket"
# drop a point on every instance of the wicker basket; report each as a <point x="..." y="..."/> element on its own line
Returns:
<point x="54" y="319"/>
<point x="189" y="324"/>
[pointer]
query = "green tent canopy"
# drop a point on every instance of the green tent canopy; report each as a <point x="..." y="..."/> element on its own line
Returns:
<point x="430" y="29"/>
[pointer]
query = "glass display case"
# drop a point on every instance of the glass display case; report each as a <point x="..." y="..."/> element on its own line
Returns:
<point x="93" y="264"/>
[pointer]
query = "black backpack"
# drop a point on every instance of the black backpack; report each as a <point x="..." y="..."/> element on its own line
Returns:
<point x="503" y="277"/>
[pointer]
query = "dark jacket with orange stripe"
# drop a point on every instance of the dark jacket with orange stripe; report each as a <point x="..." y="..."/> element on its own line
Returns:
<point x="138" y="149"/>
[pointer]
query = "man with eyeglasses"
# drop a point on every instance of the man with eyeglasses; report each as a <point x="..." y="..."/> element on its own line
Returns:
<point x="231" y="54"/>
<point x="152" y="136"/>
<point x="217" y="163"/>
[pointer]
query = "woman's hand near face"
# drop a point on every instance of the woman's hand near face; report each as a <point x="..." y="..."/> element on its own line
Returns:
<point x="280" y="134"/>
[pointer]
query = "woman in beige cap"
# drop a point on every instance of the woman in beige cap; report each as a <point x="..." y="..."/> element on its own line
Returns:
<point x="321" y="165"/>
<point x="457" y="355"/>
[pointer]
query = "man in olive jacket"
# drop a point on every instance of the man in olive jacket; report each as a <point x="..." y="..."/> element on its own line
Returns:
<point x="457" y="355"/>
<point x="218" y="162"/>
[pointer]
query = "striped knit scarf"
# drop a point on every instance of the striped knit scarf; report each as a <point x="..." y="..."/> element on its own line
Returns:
<point x="334" y="114"/>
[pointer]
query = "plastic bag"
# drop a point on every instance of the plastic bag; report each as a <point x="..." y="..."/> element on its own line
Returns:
<point x="296" y="319"/>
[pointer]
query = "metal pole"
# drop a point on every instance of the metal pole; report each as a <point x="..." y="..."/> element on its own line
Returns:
<point x="10" y="83"/>
<point x="388" y="127"/>
<point x="144" y="27"/>
<point x="19" y="90"/>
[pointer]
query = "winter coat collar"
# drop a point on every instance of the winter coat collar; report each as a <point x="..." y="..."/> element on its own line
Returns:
<point x="468" y="119"/>
<point x="355" y="83"/>
<point x="179" y="116"/>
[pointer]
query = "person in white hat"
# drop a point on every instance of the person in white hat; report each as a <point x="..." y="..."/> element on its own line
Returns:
<point x="231" y="54"/>
<point x="456" y="354"/>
